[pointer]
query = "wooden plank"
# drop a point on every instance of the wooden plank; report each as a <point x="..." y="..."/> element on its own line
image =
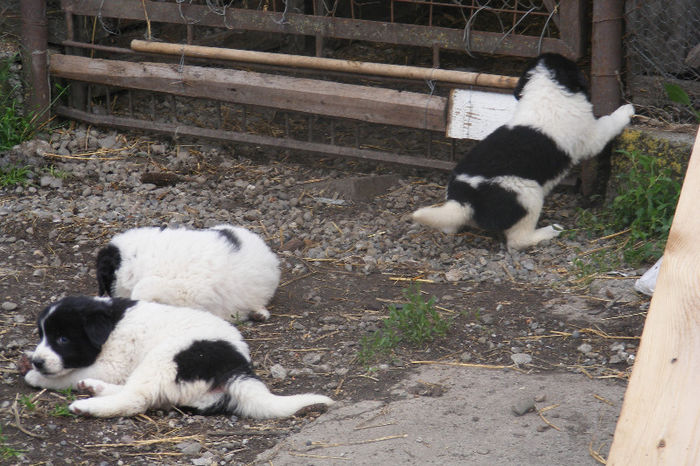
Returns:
<point x="660" y="419"/>
<point x="327" y="26"/>
<point x="306" y="147"/>
<point x="476" y="114"/>
<point x="368" y="104"/>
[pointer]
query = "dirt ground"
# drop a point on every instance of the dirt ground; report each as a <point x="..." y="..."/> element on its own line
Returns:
<point x="318" y="318"/>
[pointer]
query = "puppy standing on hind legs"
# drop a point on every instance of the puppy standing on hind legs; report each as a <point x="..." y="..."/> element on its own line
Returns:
<point x="501" y="184"/>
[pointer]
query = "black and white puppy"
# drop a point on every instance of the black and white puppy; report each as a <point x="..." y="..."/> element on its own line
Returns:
<point x="501" y="184"/>
<point x="226" y="270"/>
<point x="134" y="355"/>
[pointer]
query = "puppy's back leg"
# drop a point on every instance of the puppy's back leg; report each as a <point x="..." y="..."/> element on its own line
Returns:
<point x="524" y="233"/>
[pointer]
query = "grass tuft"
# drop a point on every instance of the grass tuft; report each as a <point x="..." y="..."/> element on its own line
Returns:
<point x="414" y="322"/>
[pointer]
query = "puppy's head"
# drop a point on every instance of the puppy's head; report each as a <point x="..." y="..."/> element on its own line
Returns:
<point x="73" y="330"/>
<point x="556" y="68"/>
<point x="108" y="261"/>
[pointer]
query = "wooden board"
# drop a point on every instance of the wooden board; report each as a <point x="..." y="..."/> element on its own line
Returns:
<point x="368" y="104"/>
<point x="475" y="114"/>
<point x="660" y="419"/>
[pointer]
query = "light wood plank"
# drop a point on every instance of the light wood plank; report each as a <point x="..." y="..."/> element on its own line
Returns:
<point x="369" y="104"/>
<point x="660" y="419"/>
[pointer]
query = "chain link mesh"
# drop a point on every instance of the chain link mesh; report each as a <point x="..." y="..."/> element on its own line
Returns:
<point x="662" y="45"/>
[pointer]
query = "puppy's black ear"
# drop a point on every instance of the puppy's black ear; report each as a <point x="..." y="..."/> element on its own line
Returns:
<point x="518" y="91"/>
<point x="108" y="261"/>
<point x="98" y="325"/>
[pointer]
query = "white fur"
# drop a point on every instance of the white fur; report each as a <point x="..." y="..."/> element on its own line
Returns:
<point x="135" y="371"/>
<point x="199" y="269"/>
<point x="567" y="118"/>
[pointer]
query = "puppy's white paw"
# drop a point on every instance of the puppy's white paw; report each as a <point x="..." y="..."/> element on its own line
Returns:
<point x="91" y="387"/>
<point x="557" y="228"/>
<point x="259" y="315"/>
<point x="34" y="378"/>
<point x="624" y="113"/>
<point x="80" y="407"/>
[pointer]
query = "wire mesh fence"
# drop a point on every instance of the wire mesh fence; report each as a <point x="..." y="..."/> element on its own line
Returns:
<point x="663" y="58"/>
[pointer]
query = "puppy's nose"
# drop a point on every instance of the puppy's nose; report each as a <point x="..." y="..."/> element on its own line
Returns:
<point x="38" y="364"/>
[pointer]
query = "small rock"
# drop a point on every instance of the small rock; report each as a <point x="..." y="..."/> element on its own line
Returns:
<point x="584" y="348"/>
<point x="311" y="359"/>
<point x="8" y="306"/>
<point x="523" y="406"/>
<point x="278" y="372"/>
<point x="615" y="359"/>
<point x="465" y="357"/>
<point x="521" y="358"/>
<point x="189" y="448"/>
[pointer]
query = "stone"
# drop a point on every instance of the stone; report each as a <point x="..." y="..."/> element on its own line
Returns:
<point x="521" y="358"/>
<point x="522" y="406"/>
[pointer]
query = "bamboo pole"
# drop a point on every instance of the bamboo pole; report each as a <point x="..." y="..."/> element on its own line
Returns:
<point x="328" y="64"/>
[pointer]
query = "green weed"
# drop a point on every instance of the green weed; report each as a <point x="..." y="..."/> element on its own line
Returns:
<point x="13" y="175"/>
<point x="415" y="322"/>
<point x="14" y="127"/>
<point x="6" y="451"/>
<point x="676" y="94"/>
<point x="26" y="401"/>
<point x="643" y="212"/>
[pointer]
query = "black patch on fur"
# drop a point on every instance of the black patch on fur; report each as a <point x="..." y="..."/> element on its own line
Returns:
<point x="231" y="238"/>
<point x="215" y="361"/>
<point x="495" y="208"/>
<point x="108" y="261"/>
<point x="79" y="326"/>
<point x="564" y="71"/>
<point x="518" y="151"/>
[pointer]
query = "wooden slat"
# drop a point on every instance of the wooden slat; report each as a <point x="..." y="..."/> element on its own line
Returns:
<point x="660" y="419"/>
<point x="341" y="28"/>
<point x="307" y="147"/>
<point x="368" y="104"/>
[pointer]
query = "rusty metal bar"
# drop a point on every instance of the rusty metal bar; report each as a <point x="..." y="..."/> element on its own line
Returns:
<point x="35" y="59"/>
<point x="606" y="65"/>
<point x="341" y="28"/>
<point x="232" y="136"/>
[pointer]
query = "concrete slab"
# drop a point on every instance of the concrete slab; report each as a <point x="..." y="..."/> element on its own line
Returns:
<point x="459" y="415"/>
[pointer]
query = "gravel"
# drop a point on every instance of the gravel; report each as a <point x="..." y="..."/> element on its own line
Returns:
<point x="87" y="185"/>
<point x="101" y="187"/>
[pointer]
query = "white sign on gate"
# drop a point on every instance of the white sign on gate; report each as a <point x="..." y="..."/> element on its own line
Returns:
<point x="475" y="114"/>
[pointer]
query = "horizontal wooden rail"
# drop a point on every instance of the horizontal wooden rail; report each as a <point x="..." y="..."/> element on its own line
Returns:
<point x="320" y="149"/>
<point x="345" y="28"/>
<point x="328" y="64"/>
<point x="368" y="104"/>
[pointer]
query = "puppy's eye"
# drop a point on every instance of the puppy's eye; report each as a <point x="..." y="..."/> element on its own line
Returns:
<point x="62" y="340"/>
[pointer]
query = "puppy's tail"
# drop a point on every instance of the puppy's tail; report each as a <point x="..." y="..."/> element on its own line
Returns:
<point x="448" y="217"/>
<point x="251" y="398"/>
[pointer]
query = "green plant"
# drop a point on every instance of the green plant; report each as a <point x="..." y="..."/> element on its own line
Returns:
<point x="416" y="322"/>
<point x="6" y="451"/>
<point x="27" y="402"/>
<point x="646" y="205"/>
<point x="13" y="175"/>
<point x="643" y="210"/>
<point x="676" y="94"/>
<point x="56" y="172"/>
<point x="61" y="410"/>
<point x="14" y="127"/>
